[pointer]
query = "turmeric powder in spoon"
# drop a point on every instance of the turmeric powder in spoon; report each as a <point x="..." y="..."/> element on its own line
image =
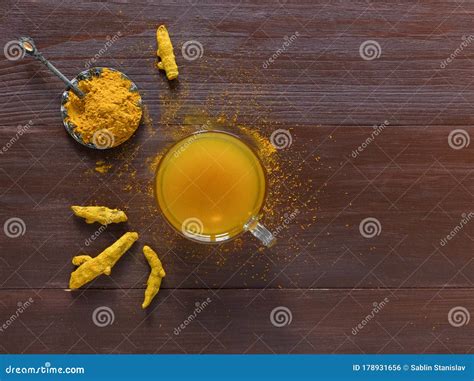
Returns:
<point x="110" y="111"/>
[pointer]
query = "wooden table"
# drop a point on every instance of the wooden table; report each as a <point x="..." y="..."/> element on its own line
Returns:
<point x="326" y="72"/>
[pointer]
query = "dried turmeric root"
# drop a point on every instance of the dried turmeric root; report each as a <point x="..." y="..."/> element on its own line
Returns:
<point x="100" y="214"/>
<point x="90" y="268"/>
<point x="80" y="259"/>
<point x="165" y="53"/>
<point x="156" y="275"/>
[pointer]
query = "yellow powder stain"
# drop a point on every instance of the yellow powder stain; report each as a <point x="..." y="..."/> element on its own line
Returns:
<point x="153" y="162"/>
<point x="179" y="116"/>
<point x="102" y="167"/>
<point x="266" y="149"/>
<point x="148" y="121"/>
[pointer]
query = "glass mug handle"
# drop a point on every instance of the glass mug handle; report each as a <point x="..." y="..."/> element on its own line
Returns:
<point x="261" y="232"/>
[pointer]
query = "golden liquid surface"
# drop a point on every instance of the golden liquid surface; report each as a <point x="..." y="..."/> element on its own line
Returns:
<point x="209" y="185"/>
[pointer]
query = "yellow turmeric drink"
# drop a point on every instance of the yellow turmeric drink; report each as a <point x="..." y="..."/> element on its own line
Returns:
<point x="209" y="185"/>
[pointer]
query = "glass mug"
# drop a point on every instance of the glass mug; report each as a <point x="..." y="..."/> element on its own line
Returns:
<point x="211" y="187"/>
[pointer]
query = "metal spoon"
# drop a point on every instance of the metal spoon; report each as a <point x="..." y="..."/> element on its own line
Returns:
<point x="28" y="45"/>
<point x="103" y="138"/>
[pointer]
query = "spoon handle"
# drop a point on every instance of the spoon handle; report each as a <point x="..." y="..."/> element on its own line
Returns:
<point x="29" y="47"/>
<point x="60" y="75"/>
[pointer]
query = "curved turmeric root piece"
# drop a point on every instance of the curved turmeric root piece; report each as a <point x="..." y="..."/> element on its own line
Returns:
<point x="90" y="268"/>
<point x="156" y="275"/>
<point x="165" y="53"/>
<point x="100" y="214"/>
<point x="80" y="259"/>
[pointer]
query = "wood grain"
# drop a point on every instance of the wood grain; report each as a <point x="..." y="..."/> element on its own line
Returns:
<point x="321" y="90"/>
<point x="237" y="321"/>
<point x="419" y="199"/>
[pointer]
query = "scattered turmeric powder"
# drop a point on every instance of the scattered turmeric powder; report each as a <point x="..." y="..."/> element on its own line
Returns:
<point x="102" y="167"/>
<point x="156" y="275"/>
<point x="100" y="214"/>
<point x="165" y="53"/>
<point x="109" y="113"/>
<point x="91" y="268"/>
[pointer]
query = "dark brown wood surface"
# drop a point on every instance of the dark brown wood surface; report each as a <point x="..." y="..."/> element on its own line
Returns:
<point x="319" y="88"/>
